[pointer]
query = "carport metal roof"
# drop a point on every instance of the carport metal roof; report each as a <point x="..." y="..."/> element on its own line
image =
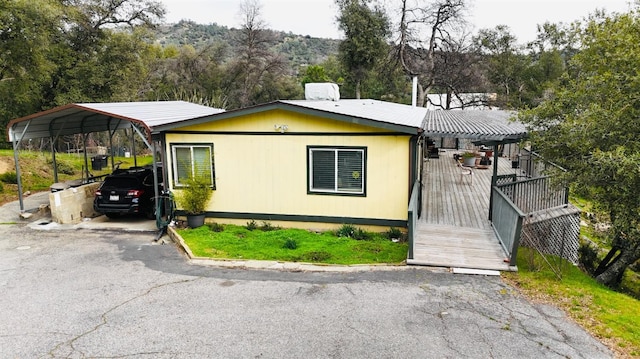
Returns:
<point x="96" y="117"/>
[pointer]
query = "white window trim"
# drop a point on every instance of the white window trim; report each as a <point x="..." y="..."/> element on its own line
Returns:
<point x="336" y="150"/>
<point x="174" y="160"/>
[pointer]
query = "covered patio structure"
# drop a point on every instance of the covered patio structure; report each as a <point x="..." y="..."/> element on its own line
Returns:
<point x="455" y="227"/>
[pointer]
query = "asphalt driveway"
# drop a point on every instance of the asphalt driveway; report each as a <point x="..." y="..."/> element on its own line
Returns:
<point x="97" y="294"/>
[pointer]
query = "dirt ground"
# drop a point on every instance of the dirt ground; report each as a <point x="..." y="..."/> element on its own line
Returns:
<point x="6" y="165"/>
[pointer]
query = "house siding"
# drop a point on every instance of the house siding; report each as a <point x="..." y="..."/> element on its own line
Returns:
<point x="262" y="173"/>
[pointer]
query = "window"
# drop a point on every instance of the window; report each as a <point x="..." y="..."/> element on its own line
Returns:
<point x="336" y="170"/>
<point x="192" y="160"/>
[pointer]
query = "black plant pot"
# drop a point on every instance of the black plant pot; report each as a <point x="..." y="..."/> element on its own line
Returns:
<point x="195" y="220"/>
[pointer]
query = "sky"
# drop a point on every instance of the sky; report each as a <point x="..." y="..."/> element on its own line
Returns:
<point x="317" y="17"/>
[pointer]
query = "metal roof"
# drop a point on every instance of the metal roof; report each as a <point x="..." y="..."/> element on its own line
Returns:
<point x="95" y="117"/>
<point x="374" y="110"/>
<point x="482" y="125"/>
<point x="386" y="115"/>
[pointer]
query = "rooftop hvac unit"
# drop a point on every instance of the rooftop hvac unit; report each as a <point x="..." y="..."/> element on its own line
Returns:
<point x="322" y="91"/>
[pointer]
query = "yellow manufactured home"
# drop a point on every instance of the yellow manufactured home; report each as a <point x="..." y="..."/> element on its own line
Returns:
<point x="306" y="164"/>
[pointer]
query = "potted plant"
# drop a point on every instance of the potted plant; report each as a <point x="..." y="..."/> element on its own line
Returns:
<point x="193" y="199"/>
<point x="468" y="159"/>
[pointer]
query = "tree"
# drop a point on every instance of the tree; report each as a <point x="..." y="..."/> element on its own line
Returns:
<point x="27" y="29"/>
<point x="314" y="73"/>
<point x="424" y="26"/>
<point x="254" y="59"/>
<point x="192" y="75"/>
<point x="460" y="71"/>
<point x="505" y="61"/>
<point x="366" y="30"/>
<point x="590" y="127"/>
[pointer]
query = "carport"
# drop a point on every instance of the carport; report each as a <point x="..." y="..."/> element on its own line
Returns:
<point x="86" y="118"/>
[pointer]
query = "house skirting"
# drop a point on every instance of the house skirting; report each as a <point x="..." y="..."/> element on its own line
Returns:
<point x="300" y="221"/>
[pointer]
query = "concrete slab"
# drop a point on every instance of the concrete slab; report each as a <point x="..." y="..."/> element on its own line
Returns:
<point x="124" y="224"/>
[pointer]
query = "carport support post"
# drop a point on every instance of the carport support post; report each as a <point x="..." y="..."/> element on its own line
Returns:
<point x="133" y="147"/>
<point x="84" y="145"/>
<point x="53" y="158"/>
<point x="15" y="158"/>
<point x="152" y="146"/>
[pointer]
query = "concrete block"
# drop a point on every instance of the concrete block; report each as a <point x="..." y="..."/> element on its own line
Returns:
<point x="73" y="204"/>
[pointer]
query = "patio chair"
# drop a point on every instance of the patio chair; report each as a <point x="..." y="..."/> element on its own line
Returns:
<point x="465" y="171"/>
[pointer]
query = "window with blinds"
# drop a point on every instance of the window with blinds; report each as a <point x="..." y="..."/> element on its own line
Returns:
<point x="192" y="160"/>
<point x="337" y="170"/>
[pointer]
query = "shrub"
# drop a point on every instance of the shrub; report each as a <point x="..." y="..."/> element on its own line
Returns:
<point x="64" y="167"/>
<point x="394" y="233"/>
<point x="215" y="227"/>
<point x="346" y="230"/>
<point x="361" y="235"/>
<point x="290" y="243"/>
<point x="251" y="225"/>
<point x="193" y="198"/>
<point x="1" y="187"/>
<point x="350" y="231"/>
<point x="9" y="177"/>
<point x="266" y="227"/>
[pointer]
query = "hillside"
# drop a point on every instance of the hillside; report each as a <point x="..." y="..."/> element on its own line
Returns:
<point x="298" y="49"/>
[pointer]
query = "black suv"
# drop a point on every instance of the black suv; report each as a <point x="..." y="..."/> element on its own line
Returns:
<point x="127" y="191"/>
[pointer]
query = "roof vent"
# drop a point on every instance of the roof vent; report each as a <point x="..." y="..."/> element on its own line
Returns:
<point x="322" y="91"/>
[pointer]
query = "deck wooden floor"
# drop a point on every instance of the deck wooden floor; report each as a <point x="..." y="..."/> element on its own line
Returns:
<point x="454" y="230"/>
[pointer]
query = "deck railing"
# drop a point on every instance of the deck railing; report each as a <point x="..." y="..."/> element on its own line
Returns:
<point x="513" y="201"/>
<point x="507" y="223"/>
<point x="414" y="208"/>
<point x="532" y="165"/>
<point x="535" y="194"/>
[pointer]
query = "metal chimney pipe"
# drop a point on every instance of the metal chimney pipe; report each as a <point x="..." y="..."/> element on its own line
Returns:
<point x="414" y="91"/>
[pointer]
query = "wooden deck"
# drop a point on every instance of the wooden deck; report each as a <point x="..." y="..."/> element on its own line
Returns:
<point x="454" y="230"/>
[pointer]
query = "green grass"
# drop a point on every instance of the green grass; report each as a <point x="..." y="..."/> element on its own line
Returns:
<point x="237" y="242"/>
<point x="611" y="316"/>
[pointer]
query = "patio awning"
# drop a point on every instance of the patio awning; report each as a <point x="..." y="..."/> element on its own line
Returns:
<point x="491" y="126"/>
